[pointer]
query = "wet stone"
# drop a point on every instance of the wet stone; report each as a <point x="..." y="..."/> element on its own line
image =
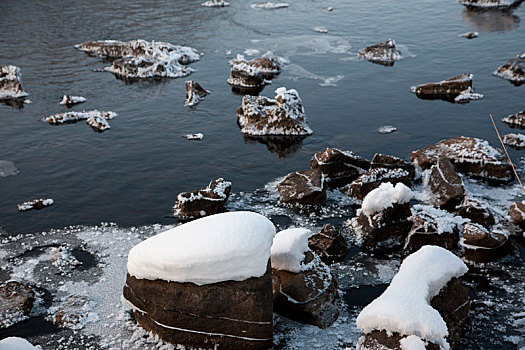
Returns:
<point x="482" y="245"/>
<point x="517" y="119"/>
<point x="390" y="162"/>
<point x="445" y="185"/>
<point x="16" y="302"/>
<point x="517" y="213"/>
<point x="203" y="201"/>
<point x="243" y="75"/>
<point x="514" y="140"/>
<point x="339" y="167"/>
<point x="329" y="244"/>
<point x="513" y="70"/>
<point x="449" y="87"/>
<point x="426" y="230"/>
<point x="10" y="86"/>
<point x="476" y="211"/>
<point x="38" y="203"/>
<point x="384" y="53"/>
<point x="194" y="93"/>
<point x="267" y="65"/>
<point x="303" y="187"/>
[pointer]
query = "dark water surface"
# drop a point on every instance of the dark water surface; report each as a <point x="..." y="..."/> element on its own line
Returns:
<point x="132" y="173"/>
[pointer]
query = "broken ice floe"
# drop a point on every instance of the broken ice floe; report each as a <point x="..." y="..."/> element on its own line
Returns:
<point x="386" y="129"/>
<point x="8" y="168"/>
<point x="269" y="5"/>
<point x="197" y="136"/>
<point x="215" y="3"/>
<point x="139" y="59"/>
<point x="514" y="140"/>
<point x="469" y="35"/>
<point x="384" y="53"/>
<point x="513" y="70"/>
<point x="96" y="119"/>
<point x="69" y="100"/>
<point x="35" y="204"/>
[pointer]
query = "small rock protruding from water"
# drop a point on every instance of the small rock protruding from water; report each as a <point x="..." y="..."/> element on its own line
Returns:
<point x="445" y="185"/>
<point x="339" y="167"/>
<point x="456" y="89"/>
<point x="470" y="35"/>
<point x="386" y="129"/>
<point x="269" y="5"/>
<point x="215" y="3"/>
<point x="329" y="244"/>
<point x="515" y="140"/>
<point x="384" y="53"/>
<point x="16" y="302"/>
<point x="194" y="93"/>
<point x="303" y="187"/>
<point x="198" y="136"/>
<point x="513" y="70"/>
<point x="10" y="86"/>
<point x="98" y="120"/>
<point x="482" y="245"/>
<point x="244" y="76"/>
<point x="476" y="211"/>
<point x="70" y="100"/>
<point x="268" y="64"/>
<point x="203" y="201"/>
<point x="38" y="203"/>
<point x="517" y="119"/>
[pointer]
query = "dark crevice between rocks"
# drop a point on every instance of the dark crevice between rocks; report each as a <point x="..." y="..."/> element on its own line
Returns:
<point x="363" y="295"/>
<point x="35" y="326"/>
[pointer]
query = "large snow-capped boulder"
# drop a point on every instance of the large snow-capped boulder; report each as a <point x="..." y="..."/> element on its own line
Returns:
<point x="194" y="93"/>
<point x="517" y="119"/>
<point x="139" y="59"/>
<point x="303" y="187"/>
<point x="207" y="283"/>
<point x="373" y="178"/>
<point x="10" y="86"/>
<point x="329" y="244"/>
<point x="455" y="89"/>
<point x="16" y="302"/>
<point x="383" y="221"/>
<point x="306" y="291"/>
<point x="339" y="167"/>
<point x="283" y="115"/>
<point x="383" y="53"/>
<point x="444" y="185"/>
<point x="513" y="70"/>
<point x="470" y="156"/>
<point x="203" y="201"/>
<point x="390" y="162"/>
<point x="482" y="245"/>
<point x="424" y="303"/>
<point x="268" y="65"/>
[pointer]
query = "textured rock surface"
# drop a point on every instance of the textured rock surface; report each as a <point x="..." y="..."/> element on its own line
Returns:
<point x="390" y="162"/>
<point x="96" y="119"/>
<point x="517" y="213"/>
<point x="16" y="302"/>
<point x="517" y="119"/>
<point x="384" y="53"/>
<point x="10" y="86"/>
<point x="482" y="245"/>
<point x="267" y="65"/>
<point x="339" y="167"/>
<point x="329" y="244"/>
<point x="476" y="211"/>
<point x="426" y="230"/>
<point x="513" y="70"/>
<point x="194" y="93"/>
<point x="445" y="185"/>
<point x="373" y="178"/>
<point x="203" y="201"/>
<point x="470" y="156"/>
<point x="449" y="87"/>
<point x="244" y="75"/>
<point x="303" y="187"/>
<point x="488" y="4"/>
<point x="514" y="140"/>
<point x="38" y="203"/>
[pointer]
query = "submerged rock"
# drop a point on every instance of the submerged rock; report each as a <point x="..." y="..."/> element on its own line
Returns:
<point x="69" y="100"/>
<point x="8" y="168"/>
<point x="339" y="167"/>
<point x="329" y="244"/>
<point x="283" y="115"/>
<point x="16" y="302"/>
<point x="35" y="204"/>
<point x="513" y="70"/>
<point x="303" y="187"/>
<point x="10" y="86"/>
<point x="445" y="185"/>
<point x="455" y="89"/>
<point x="373" y="178"/>
<point x="384" y="53"/>
<point x="482" y="245"/>
<point x="203" y="201"/>
<point x="470" y="156"/>
<point x="517" y="119"/>
<point x="489" y="3"/>
<point x="194" y="93"/>
<point x="215" y="3"/>
<point x="244" y="76"/>
<point x="514" y="140"/>
<point x="280" y="144"/>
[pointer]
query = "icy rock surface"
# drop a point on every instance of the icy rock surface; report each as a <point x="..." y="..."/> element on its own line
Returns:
<point x="456" y="89"/>
<point x="215" y="3"/>
<point x="38" y="203"/>
<point x="10" y="86"/>
<point x="513" y="70"/>
<point x="288" y="249"/>
<point x="269" y="5"/>
<point x="488" y="4"/>
<point x="470" y="35"/>
<point x="517" y="119"/>
<point x="96" y="119"/>
<point x="268" y="64"/>
<point x="246" y="76"/>
<point x="384" y="52"/>
<point x="514" y="140"/>
<point x="203" y="201"/>
<point x="386" y="129"/>
<point x="305" y="187"/>
<point x="194" y="93"/>
<point x="16" y="302"/>
<point x="199" y="136"/>
<point x="69" y="100"/>
<point x="8" y="168"/>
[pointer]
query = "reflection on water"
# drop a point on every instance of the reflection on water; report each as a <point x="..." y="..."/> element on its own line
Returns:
<point x="490" y="20"/>
<point x="282" y="145"/>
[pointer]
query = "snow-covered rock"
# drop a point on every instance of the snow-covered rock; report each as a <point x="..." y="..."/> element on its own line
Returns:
<point x="268" y="64"/>
<point x="215" y="3"/>
<point x="482" y="245"/>
<point x="288" y="249"/>
<point x="329" y="244"/>
<point x="10" y="86"/>
<point x="16" y="302"/>
<point x="455" y="89"/>
<point x="339" y="167"/>
<point x="15" y="343"/>
<point x="489" y="4"/>
<point x="386" y="129"/>
<point x="371" y="179"/>
<point x="444" y="185"/>
<point x="514" y="140"/>
<point x="470" y="35"/>
<point x="424" y="299"/>
<point x="269" y="5"/>
<point x="206" y="283"/>
<point x="72" y="117"/>
<point x="38" y="203"/>
<point x="386" y="161"/>
<point x="98" y="123"/>
<point x="470" y="156"/>
<point x="203" y="201"/>
<point x="194" y="93"/>
<point x="322" y="30"/>
<point x="198" y="136"/>
<point x="303" y="187"/>
<point x="513" y="70"/>
<point x="517" y="119"/>
<point x="517" y="213"/>
<point x="69" y="100"/>
<point x="384" y="197"/>
<point x="476" y="211"/>
<point x="384" y="53"/>
<point x="283" y="115"/>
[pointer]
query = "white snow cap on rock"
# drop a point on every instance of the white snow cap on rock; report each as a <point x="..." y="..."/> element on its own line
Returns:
<point x="412" y="342"/>
<point x="385" y="196"/>
<point x="404" y="306"/>
<point x="222" y="247"/>
<point x="288" y="249"/>
<point x="15" y="343"/>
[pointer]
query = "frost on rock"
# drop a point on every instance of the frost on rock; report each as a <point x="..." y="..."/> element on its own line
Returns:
<point x="373" y="178"/>
<point x="467" y="95"/>
<point x="517" y="119"/>
<point x="477" y="211"/>
<point x="246" y="77"/>
<point x="268" y="64"/>
<point x="470" y="35"/>
<point x="69" y="100"/>
<point x="8" y="168"/>
<point x="283" y="115"/>
<point x="329" y="244"/>
<point x="470" y="156"/>
<point x="16" y="302"/>
<point x="444" y="185"/>
<point x="38" y="203"/>
<point x="96" y="119"/>
<point x="322" y="30"/>
<point x="386" y="161"/>
<point x="98" y="123"/>
<point x="384" y="53"/>
<point x="513" y="70"/>
<point x="194" y="93"/>
<point x="288" y="249"/>
<point x="15" y="343"/>
<point x="203" y="201"/>
<point x="339" y="167"/>
<point x="269" y="5"/>
<point x="10" y="86"/>
<point x="489" y="4"/>
<point x="139" y="59"/>
<point x="515" y="140"/>
<point x="305" y="187"/>
<point x="482" y="245"/>
<point x="456" y="89"/>
<point x="73" y="312"/>
<point x="415" y="301"/>
<point x="215" y="3"/>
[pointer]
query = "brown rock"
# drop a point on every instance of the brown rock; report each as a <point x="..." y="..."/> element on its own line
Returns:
<point x="390" y="162"/>
<point x="517" y="213"/>
<point x="513" y="70"/>
<point x="16" y="302"/>
<point x="37" y="204"/>
<point x="203" y="201"/>
<point x="245" y="76"/>
<point x="470" y="156"/>
<point x="475" y="211"/>
<point x="514" y="140"/>
<point x="229" y="315"/>
<point x="310" y="296"/>
<point x="482" y="245"/>
<point x="303" y="187"/>
<point x="445" y="185"/>
<point x="426" y="230"/>
<point x="373" y="178"/>
<point x="10" y="86"/>
<point x="449" y="87"/>
<point x="339" y="167"/>
<point x="329" y="244"/>
<point x="383" y="53"/>
<point x="267" y="66"/>
<point x="194" y="93"/>
<point x="517" y="119"/>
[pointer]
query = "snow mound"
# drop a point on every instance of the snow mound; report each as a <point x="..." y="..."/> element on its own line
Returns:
<point x="412" y="342"/>
<point x="228" y="246"/>
<point x="288" y="249"/>
<point x="385" y="196"/>
<point x="15" y="343"/>
<point x="404" y="306"/>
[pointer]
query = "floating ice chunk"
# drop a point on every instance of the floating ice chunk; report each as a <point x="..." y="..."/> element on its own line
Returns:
<point x="215" y="3"/>
<point x="385" y="196"/>
<point x="99" y="123"/>
<point x="470" y="35"/>
<point x="404" y="306"/>
<point x="206" y="250"/>
<point x="10" y="86"/>
<point x="35" y="204"/>
<point x="288" y="249"/>
<point x="8" y="168"/>
<point x="386" y="129"/>
<point x="15" y="343"/>
<point x="251" y="52"/>
<point x="330" y="9"/>
<point x="197" y="136"/>
<point x="69" y="100"/>
<point x="269" y="5"/>
<point x="467" y="95"/>
<point x="321" y="30"/>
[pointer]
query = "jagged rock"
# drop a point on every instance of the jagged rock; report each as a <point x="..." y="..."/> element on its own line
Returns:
<point x="215" y="3"/>
<point x="203" y="201"/>
<point x="10" y="86"/>
<point x="310" y="296"/>
<point x="373" y="178"/>
<point x="69" y="100"/>
<point x="517" y="213"/>
<point x="384" y="53"/>
<point x="390" y="162"/>
<point x="329" y="244"/>
<point x="16" y="302"/>
<point x="194" y="93"/>
<point x="470" y="35"/>
<point x="98" y="123"/>
<point x="513" y="70"/>
<point x="245" y="76"/>
<point x="476" y="211"/>
<point x="303" y="187"/>
<point x="482" y="245"/>
<point x="514" y="140"/>
<point x="339" y="167"/>
<point x="283" y="115"/>
<point x="517" y="119"/>
<point x="457" y="89"/>
<point x="470" y="156"/>
<point x="489" y="4"/>
<point x="445" y="185"/>
<point x="71" y="312"/>
<point x="38" y="203"/>
<point x="268" y="65"/>
<point x="73" y="117"/>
